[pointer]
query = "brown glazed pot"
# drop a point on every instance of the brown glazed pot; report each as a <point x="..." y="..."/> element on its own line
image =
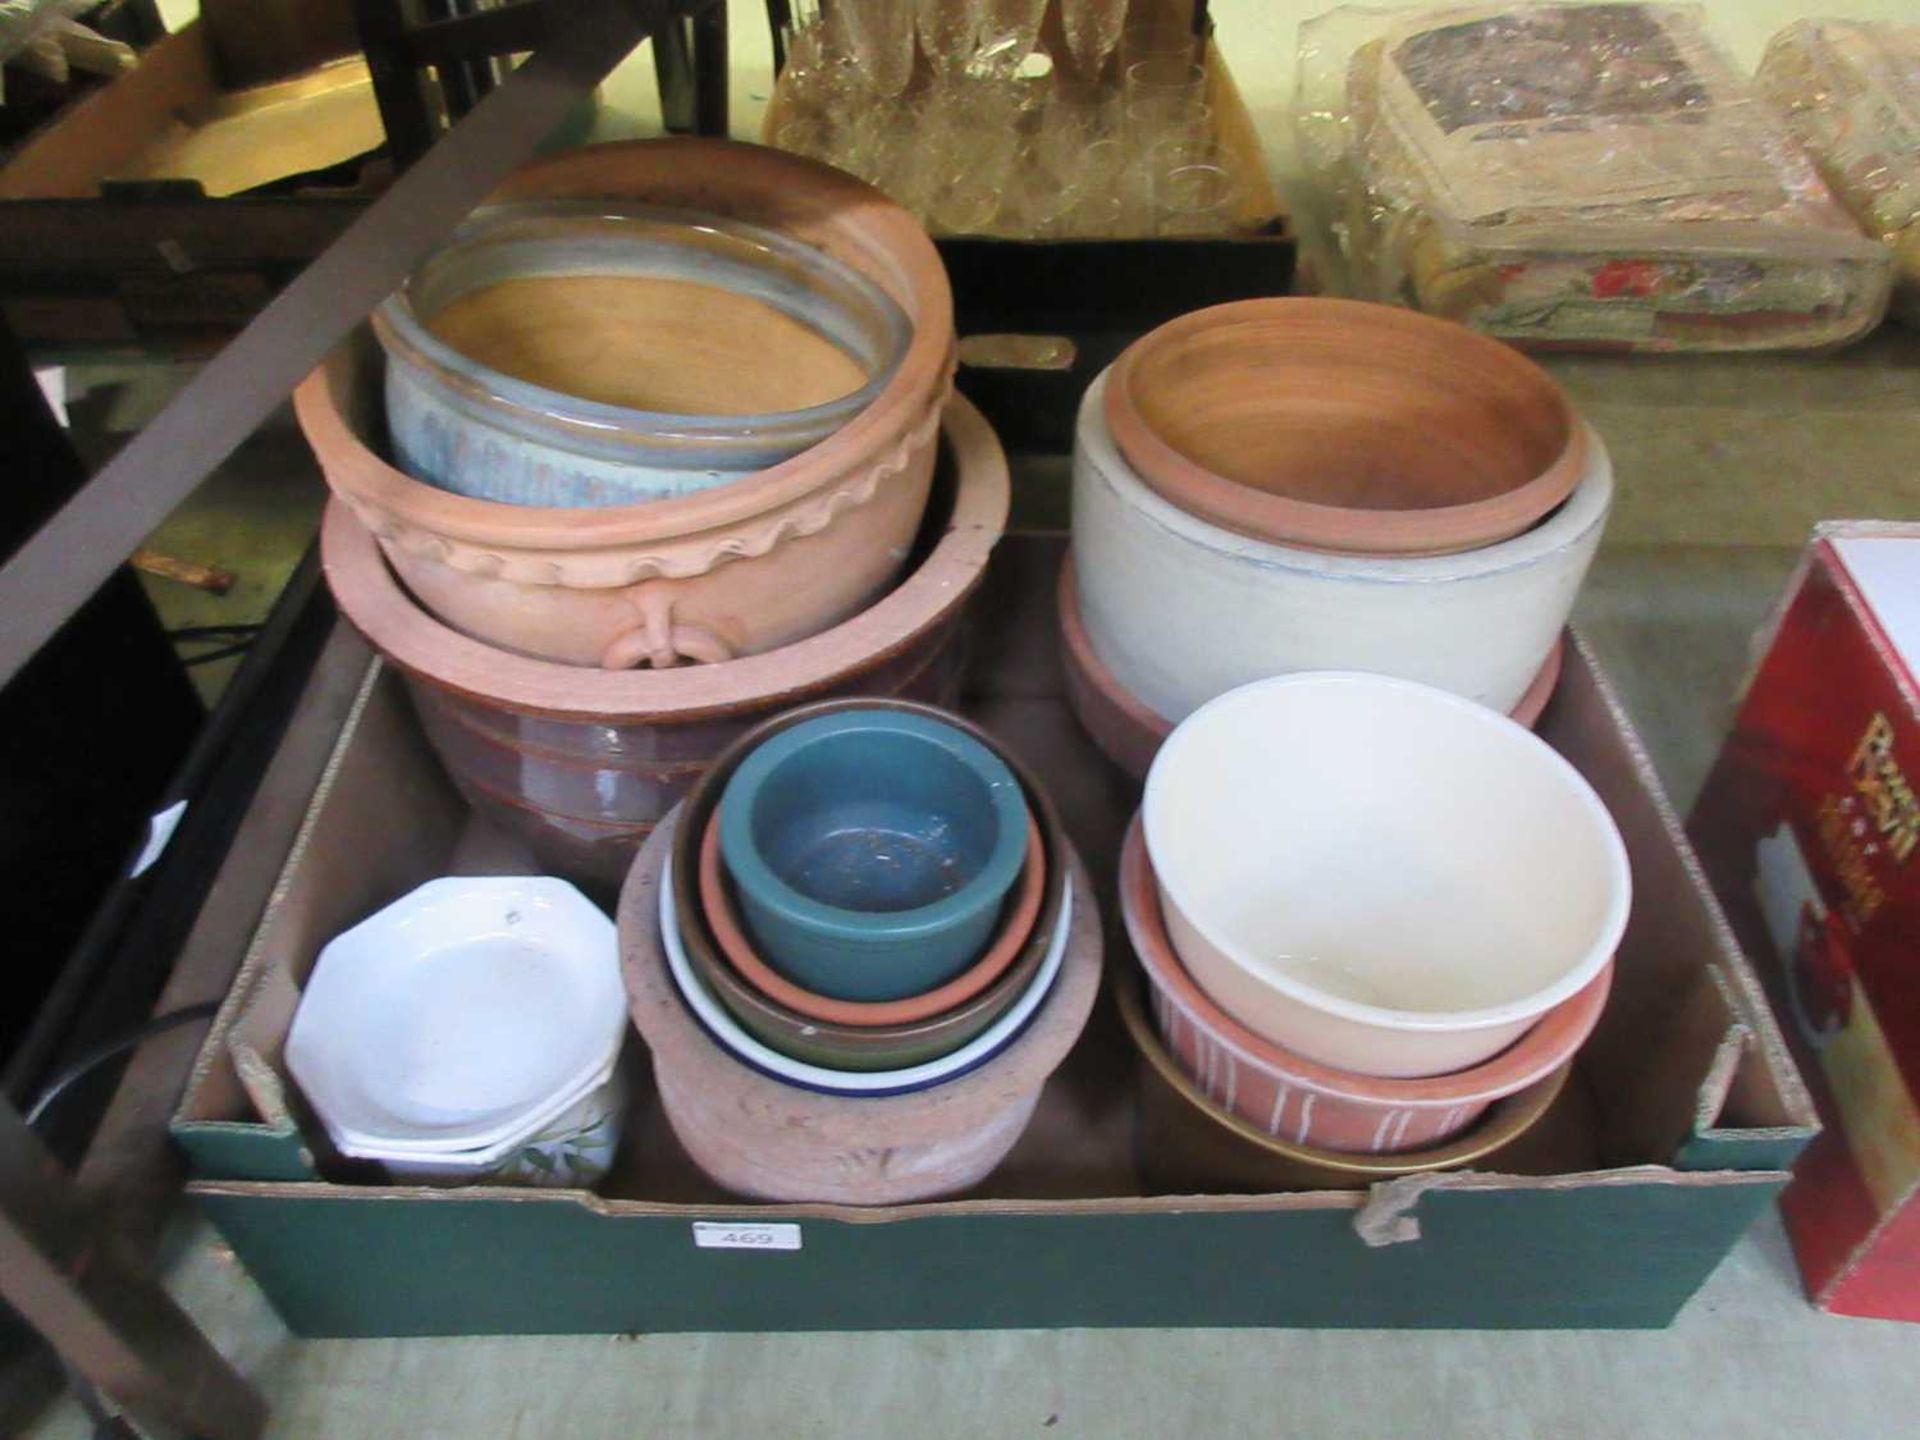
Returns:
<point x="1345" y="426"/>
<point x="581" y="763"/>
<point x="1129" y="734"/>
<point x="731" y="571"/>
<point x="874" y="1031"/>
<point x="1283" y="1096"/>
<point x="1188" y="1144"/>
<point x="762" y="1138"/>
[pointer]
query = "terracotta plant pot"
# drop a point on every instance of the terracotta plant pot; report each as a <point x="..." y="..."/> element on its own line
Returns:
<point x="521" y="352"/>
<point x="582" y="763"/>
<point x="1344" y="426"/>
<point x="1181" y="610"/>
<point x="1281" y="1094"/>
<point x="1377" y="875"/>
<point x="732" y="571"/>
<point x="765" y="1139"/>
<point x="1129" y="734"/>
<point x="1188" y="1144"/>
<point x="826" y="1031"/>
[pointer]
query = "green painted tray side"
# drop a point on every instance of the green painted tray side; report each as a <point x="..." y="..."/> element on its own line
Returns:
<point x="1504" y="1259"/>
<point x="243" y="1150"/>
<point x="1742" y="1150"/>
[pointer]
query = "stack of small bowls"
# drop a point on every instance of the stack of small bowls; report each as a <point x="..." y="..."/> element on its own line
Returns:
<point x="865" y="905"/>
<point x="469" y="1033"/>
<point x="1301" y="484"/>
<point x="1376" y="922"/>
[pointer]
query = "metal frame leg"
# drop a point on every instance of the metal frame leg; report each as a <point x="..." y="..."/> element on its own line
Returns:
<point x="105" y="1314"/>
<point x="399" y="88"/>
<point x="673" y="73"/>
<point x="710" y="69"/>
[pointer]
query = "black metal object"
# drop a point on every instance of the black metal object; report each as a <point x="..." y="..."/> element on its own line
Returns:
<point x="110" y="981"/>
<point x="462" y="82"/>
<point x="457" y="43"/>
<point x="79" y="770"/>
<point x="1100" y="294"/>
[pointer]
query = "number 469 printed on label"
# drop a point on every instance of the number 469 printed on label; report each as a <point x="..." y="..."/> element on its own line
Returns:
<point x="718" y="1235"/>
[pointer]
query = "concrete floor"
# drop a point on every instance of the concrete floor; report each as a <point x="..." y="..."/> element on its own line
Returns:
<point x="1724" y="465"/>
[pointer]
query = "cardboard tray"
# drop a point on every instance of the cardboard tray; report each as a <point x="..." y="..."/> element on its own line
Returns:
<point x="1683" y="1116"/>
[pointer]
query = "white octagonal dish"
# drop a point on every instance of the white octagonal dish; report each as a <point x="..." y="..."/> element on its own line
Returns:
<point x="447" y="1019"/>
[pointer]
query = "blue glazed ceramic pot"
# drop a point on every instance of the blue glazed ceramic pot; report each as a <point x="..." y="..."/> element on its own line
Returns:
<point x="466" y="427"/>
<point x="872" y="850"/>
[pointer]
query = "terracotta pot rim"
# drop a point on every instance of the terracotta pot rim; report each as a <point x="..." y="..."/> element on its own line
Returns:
<point x="1010" y="939"/>
<point x="920" y="288"/>
<point x="1549" y="1044"/>
<point x="680" y="1044"/>
<point x="419" y="643"/>
<point x="1148" y="727"/>
<point x="1263" y="515"/>
<point x="1584" y="510"/>
<point x="1512" y="1116"/>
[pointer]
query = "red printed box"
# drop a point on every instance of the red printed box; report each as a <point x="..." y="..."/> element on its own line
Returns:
<point x="1809" y="827"/>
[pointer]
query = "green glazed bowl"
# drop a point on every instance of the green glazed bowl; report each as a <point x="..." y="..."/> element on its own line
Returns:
<point x="871" y="850"/>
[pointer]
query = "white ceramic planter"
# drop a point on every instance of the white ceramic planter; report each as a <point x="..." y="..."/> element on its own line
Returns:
<point x="1181" y="610"/>
<point x="1378" y="875"/>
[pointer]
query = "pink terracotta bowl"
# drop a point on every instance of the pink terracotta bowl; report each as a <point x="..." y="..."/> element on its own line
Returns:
<point x="1344" y="426"/>
<point x="1130" y="734"/>
<point x="735" y="570"/>
<point x="1188" y="1144"/>
<point x="1378" y="875"/>
<point x="1016" y="928"/>
<point x="1291" y="1098"/>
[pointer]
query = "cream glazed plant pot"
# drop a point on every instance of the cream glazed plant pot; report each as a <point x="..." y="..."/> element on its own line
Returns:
<point x="734" y="570"/>
<point x="771" y="1140"/>
<point x="1180" y="610"/>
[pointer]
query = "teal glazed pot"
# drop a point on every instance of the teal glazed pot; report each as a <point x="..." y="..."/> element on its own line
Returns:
<point x="871" y="851"/>
<point x="465" y="427"/>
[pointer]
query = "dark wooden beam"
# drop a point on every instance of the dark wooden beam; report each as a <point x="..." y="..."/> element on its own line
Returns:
<point x="72" y="555"/>
<point x="104" y="1313"/>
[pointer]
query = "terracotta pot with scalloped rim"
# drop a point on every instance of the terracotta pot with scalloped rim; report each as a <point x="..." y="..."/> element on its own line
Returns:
<point x="732" y="570"/>
<point x="582" y="762"/>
